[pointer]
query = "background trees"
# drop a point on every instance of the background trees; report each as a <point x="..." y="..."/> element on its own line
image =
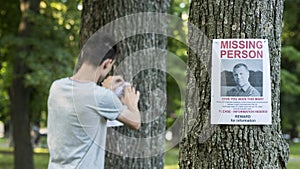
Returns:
<point x="230" y="146"/>
<point x="290" y="73"/>
<point x="37" y="46"/>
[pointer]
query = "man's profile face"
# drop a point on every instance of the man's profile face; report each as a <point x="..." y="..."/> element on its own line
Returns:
<point x="241" y="76"/>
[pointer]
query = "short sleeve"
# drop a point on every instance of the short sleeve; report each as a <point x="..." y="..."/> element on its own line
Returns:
<point x="109" y="105"/>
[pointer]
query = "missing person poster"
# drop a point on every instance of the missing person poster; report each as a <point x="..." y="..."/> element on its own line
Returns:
<point x="240" y="84"/>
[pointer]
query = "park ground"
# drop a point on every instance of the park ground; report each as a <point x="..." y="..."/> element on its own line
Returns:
<point x="41" y="157"/>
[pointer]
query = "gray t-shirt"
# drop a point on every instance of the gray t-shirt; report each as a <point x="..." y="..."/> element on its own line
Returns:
<point x="77" y="113"/>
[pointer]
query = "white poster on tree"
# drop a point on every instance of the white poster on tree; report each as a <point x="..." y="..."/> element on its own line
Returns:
<point x="240" y="82"/>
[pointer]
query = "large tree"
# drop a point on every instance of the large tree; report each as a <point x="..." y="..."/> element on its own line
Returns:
<point x="144" y="66"/>
<point x="230" y="146"/>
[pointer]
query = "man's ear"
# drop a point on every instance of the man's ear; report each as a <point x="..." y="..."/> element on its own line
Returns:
<point x="105" y="63"/>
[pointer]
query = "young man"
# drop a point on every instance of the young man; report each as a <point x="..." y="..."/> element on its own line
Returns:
<point x="241" y="78"/>
<point x="78" y="108"/>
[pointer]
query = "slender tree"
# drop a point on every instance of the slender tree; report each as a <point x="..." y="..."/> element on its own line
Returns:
<point x="20" y="93"/>
<point x="125" y="148"/>
<point x="231" y="146"/>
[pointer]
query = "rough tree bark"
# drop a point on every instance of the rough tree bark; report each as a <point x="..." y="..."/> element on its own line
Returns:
<point x="127" y="154"/>
<point x="231" y="146"/>
<point x="20" y="94"/>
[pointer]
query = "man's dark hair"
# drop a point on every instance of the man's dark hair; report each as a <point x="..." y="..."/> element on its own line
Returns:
<point x="97" y="49"/>
<point x="241" y="65"/>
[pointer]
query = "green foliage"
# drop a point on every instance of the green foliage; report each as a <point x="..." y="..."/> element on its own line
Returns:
<point x="174" y="100"/>
<point x="9" y="19"/>
<point x="290" y="83"/>
<point x="291" y="18"/>
<point x="4" y="97"/>
<point x="55" y="45"/>
<point x="52" y="49"/>
<point x="9" y="16"/>
<point x="290" y="72"/>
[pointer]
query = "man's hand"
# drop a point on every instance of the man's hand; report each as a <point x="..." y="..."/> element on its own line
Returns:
<point x="131" y="98"/>
<point x="131" y="116"/>
<point x="112" y="82"/>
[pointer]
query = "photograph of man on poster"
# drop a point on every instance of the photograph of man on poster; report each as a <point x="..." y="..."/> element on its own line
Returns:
<point x="241" y="81"/>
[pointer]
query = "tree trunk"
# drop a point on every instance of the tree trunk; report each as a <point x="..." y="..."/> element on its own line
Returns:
<point x="230" y="146"/>
<point x="143" y="63"/>
<point x="20" y="94"/>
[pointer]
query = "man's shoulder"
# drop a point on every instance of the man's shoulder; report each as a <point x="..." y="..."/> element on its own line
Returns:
<point x="104" y="92"/>
<point x="60" y="81"/>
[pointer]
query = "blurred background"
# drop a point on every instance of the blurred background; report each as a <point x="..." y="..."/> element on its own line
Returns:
<point x="52" y="54"/>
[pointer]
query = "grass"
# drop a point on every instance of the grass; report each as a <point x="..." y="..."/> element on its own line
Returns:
<point x="295" y="150"/>
<point x="295" y="153"/>
<point x="171" y="159"/>
<point x="41" y="158"/>
<point x="40" y="161"/>
<point x="3" y="141"/>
